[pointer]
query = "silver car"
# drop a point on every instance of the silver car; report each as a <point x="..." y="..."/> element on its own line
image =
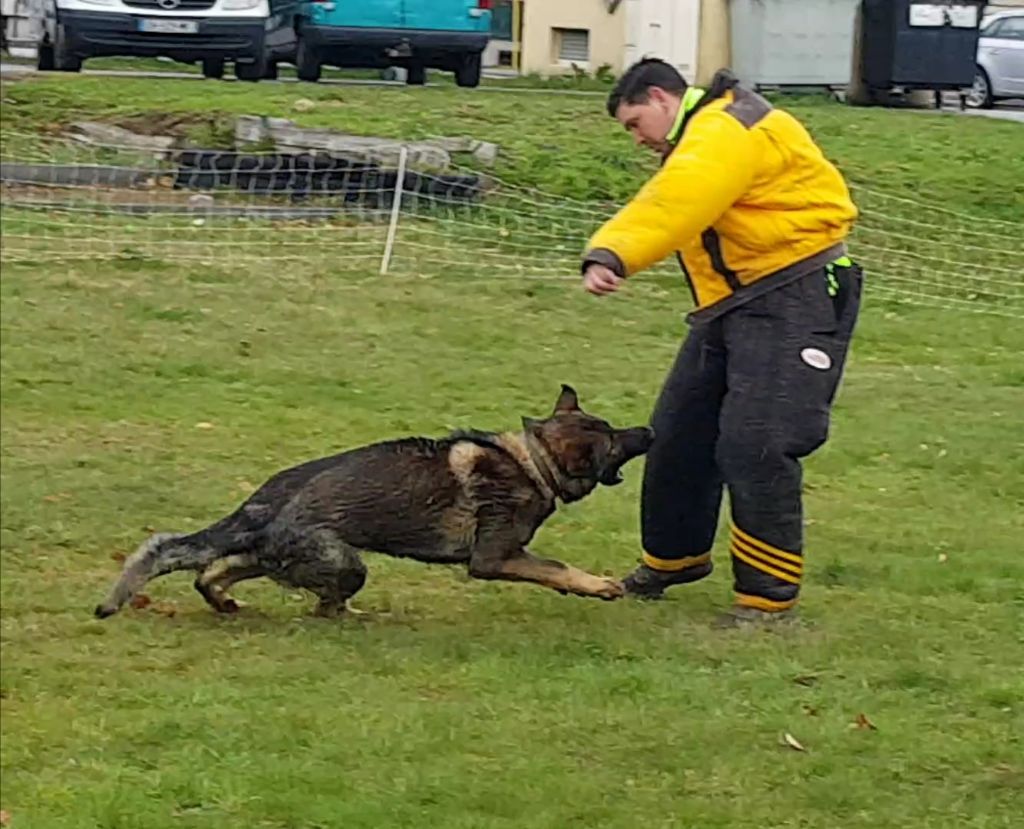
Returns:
<point x="1000" y="60"/>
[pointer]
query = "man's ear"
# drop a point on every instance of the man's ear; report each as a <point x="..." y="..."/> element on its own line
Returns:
<point x="567" y="400"/>
<point x="661" y="97"/>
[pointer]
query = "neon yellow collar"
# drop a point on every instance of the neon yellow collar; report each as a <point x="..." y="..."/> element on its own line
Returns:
<point x="691" y="98"/>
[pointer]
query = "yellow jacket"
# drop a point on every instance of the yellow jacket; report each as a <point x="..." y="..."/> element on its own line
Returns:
<point x="746" y="199"/>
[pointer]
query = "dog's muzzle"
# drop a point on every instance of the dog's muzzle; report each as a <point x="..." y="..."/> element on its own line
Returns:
<point x="635" y="443"/>
<point x="612" y="476"/>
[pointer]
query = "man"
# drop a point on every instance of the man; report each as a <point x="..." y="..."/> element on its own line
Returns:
<point x="757" y="217"/>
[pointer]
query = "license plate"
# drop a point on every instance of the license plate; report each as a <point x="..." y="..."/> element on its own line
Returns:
<point x="165" y="26"/>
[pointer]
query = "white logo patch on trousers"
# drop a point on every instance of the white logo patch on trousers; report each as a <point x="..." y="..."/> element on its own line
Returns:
<point x="816" y="358"/>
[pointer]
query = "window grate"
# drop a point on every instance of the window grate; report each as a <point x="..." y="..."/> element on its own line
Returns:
<point x="573" y="44"/>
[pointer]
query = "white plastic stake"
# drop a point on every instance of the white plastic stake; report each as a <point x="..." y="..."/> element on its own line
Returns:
<point x="396" y="207"/>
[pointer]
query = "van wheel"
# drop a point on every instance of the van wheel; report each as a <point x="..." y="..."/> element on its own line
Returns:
<point x="213" y="68"/>
<point x="44" y="57"/>
<point x="468" y="71"/>
<point x="270" y="73"/>
<point x="307" y="62"/>
<point x="417" y="74"/>
<point x="63" y="60"/>
<point x="251" y="72"/>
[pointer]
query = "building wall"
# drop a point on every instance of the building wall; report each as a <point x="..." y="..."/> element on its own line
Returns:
<point x="22" y="26"/>
<point x="714" y="46"/>
<point x="666" y="29"/>
<point x="1004" y="5"/>
<point x="713" y="49"/>
<point x="606" y="34"/>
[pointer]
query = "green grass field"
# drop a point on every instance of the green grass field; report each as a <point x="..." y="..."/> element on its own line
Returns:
<point x="580" y="81"/>
<point x="562" y="143"/>
<point x="146" y="393"/>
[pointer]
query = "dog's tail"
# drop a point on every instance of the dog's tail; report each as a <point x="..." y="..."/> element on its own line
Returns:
<point x="160" y="554"/>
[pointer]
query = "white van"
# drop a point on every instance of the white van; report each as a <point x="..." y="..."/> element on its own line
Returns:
<point x="254" y="34"/>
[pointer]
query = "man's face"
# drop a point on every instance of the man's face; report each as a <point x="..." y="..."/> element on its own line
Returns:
<point x="650" y="121"/>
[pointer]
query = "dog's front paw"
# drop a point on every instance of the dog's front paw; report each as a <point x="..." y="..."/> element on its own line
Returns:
<point x="607" y="589"/>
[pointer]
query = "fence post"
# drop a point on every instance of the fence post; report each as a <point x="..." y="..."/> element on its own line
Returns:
<point x="396" y="207"/>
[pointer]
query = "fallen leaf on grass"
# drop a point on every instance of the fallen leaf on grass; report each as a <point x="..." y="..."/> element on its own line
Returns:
<point x="806" y="679"/>
<point x="792" y="742"/>
<point x="203" y="424"/>
<point x="863" y="722"/>
<point x="5" y="817"/>
<point x="943" y="558"/>
<point x="143" y="602"/>
<point x="118" y="557"/>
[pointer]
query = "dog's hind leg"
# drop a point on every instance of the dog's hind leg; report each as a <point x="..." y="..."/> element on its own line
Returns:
<point x="216" y="580"/>
<point x="324" y="564"/>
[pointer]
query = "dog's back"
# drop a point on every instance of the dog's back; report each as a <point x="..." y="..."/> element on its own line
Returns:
<point x="415" y="497"/>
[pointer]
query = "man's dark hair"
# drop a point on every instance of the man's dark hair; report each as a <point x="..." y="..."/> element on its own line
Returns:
<point x="632" y="87"/>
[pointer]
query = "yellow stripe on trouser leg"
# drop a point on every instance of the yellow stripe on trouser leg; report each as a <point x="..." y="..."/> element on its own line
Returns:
<point x="674" y="565"/>
<point x="764" y="561"/>
<point x="765" y="547"/>
<point x="764" y="567"/>
<point x="783" y="569"/>
<point x="760" y="603"/>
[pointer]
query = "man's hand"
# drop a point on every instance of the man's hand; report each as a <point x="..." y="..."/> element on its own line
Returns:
<point x="600" y="280"/>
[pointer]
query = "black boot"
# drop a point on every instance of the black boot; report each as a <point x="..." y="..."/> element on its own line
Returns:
<point x="740" y="616"/>
<point x="647" y="583"/>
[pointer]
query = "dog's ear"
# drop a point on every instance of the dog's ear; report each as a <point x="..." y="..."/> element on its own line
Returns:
<point x="567" y="400"/>
<point x="532" y="426"/>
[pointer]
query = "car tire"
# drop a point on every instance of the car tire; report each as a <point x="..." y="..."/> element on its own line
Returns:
<point x="417" y="74"/>
<point x="251" y="72"/>
<point x="63" y="60"/>
<point x="468" y="72"/>
<point x="980" y="96"/>
<point x="307" y="62"/>
<point x="213" y="68"/>
<point x="44" y="57"/>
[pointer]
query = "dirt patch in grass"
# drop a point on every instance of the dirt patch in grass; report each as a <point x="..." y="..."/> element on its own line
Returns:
<point x="213" y="130"/>
<point x="177" y="124"/>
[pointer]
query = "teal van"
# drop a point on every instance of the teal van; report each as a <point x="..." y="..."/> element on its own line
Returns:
<point x="414" y="34"/>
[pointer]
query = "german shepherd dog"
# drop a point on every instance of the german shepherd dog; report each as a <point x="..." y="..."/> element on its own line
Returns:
<point x="473" y="498"/>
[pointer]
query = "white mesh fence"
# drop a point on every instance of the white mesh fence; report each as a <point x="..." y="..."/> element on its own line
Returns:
<point x="66" y="200"/>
